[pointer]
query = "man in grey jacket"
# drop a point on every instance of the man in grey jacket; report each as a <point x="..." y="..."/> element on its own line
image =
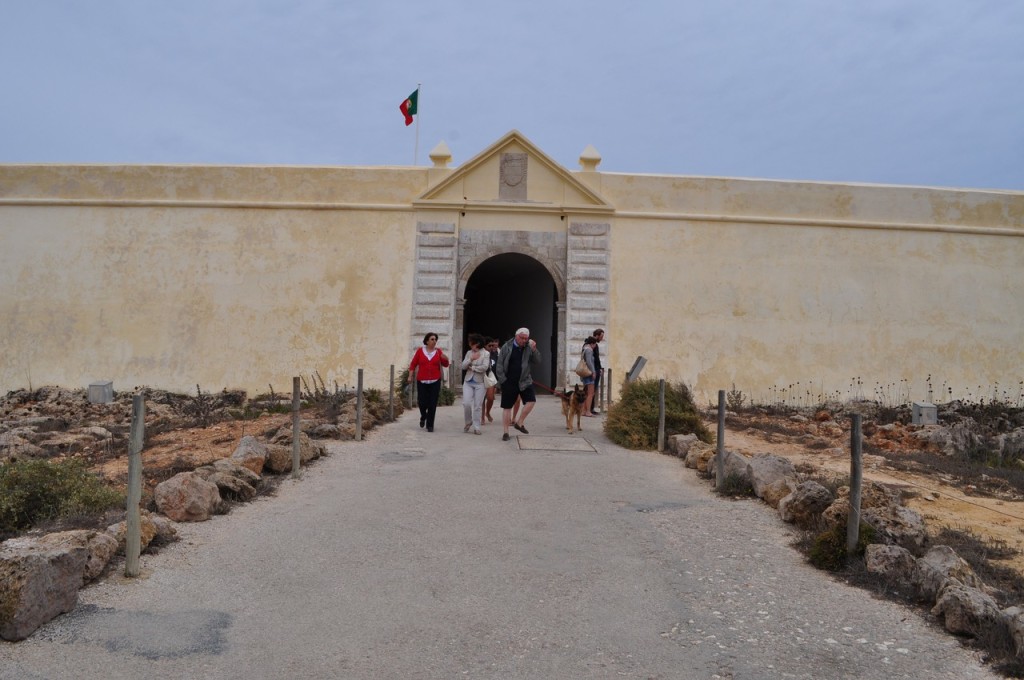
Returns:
<point x="513" y="369"/>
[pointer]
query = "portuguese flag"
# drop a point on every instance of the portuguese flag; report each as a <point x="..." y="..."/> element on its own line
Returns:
<point x="408" y="107"/>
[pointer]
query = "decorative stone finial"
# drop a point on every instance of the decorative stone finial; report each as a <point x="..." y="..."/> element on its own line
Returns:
<point x="441" y="155"/>
<point x="590" y="159"/>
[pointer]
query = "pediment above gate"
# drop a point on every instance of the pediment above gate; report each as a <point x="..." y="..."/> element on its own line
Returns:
<point x="512" y="174"/>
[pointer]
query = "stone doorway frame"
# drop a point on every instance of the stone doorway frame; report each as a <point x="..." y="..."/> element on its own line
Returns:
<point x="549" y="249"/>
<point x="577" y="260"/>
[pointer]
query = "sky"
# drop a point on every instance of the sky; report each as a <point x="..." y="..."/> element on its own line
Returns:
<point x="908" y="92"/>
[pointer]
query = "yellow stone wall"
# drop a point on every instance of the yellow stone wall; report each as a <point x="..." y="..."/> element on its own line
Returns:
<point x="171" y="292"/>
<point x="771" y="284"/>
<point x="170" y="276"/>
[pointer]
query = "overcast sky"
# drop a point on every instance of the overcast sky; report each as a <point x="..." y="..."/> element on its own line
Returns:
<point x="919" y="92"/>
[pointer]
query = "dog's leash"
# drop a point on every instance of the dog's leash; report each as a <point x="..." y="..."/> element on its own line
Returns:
<point x="554" y="392"/>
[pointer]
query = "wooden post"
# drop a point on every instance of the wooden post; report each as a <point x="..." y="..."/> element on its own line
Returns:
<point x="412" y="387"/>
<point x="359" y="406"/>
<point x="856" y="477"/>
<point x="720" y="452"/>
<point x="661" y="415"/>
<point x="391" y="396"/>
<point x="133" y="539"/>
<point x="295" y="427"/>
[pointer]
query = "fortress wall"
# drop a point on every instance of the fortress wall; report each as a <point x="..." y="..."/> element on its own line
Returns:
<point x="176" y="295"/>
<point x="763" y="303"/>
<point x="239" y="277"/>
<point x="863" y="205"/>
<point x="212" y="185"/>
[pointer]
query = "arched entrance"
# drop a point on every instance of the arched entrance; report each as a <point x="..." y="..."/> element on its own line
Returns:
<point x="506" y="292"/>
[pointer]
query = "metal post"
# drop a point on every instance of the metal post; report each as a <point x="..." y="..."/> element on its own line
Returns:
<point x="359" y="406"/>
<point x="661" y="415"/>
<point x="295" y="427"/>
<point x="133" y="539"/>
<point x="856" y="477"/>
<point x="608" y="381"/>
<point x="720" y="452"/>
<point x="391" y="396"/>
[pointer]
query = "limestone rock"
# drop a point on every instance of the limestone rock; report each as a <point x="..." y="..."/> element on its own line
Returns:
<point x="805" y="504"/>
<point x="252" y="453"/>
<point x="894" y="523"/>
<point x="234" y="481"/>
<point x="1013" y="619"/>
<point x="966" y="610"/>
<point x="279" y="459"/>
<point x="773" y="477"/>
<point x="891" y="561"/>
<point x="187" y="497"/>
<point x="147" y="531"/>
<point x="98" y="433"/>
<point x="1010" y="445"/>
<point x="325" y="431"/>
<point x="166" y="531"/>
<point x="898" y="525"/>
<point x="99" y="546"/>
<point x="735" y="465"/>
<point x="679" y="444"/>
<point x="699" y="456"/>
<point x="940" y="565"/>
<point x="830" y="428"/>
<point x="37" y="583"/>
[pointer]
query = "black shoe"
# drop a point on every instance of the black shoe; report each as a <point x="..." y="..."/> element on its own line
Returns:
<point x="430" y="429"/>
<point x="521" y="428"/>
<point x="505" y="437"/>
<point x="423" y="421"/>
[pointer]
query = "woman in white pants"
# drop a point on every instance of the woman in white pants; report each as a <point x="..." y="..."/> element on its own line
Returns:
<point x="474" y="366"/>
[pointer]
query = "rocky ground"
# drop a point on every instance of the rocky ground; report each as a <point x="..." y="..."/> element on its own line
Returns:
<point x="929" y="464"/>
<point x="182" y="432"/>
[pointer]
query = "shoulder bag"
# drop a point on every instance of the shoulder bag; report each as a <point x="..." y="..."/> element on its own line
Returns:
<point x="582" y="370"/>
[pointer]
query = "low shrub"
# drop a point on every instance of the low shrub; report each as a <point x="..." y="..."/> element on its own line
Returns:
<point x="35" y="490"/>
<point x="446" y="398"/>
<point x="632" y="421"/>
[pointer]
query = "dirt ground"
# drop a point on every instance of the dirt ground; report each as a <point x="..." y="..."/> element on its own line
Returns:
<point x="940" y="500"/>
<point x="183" y="449"/>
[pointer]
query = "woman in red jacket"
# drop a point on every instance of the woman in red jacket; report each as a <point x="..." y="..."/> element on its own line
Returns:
<point x="429" y="360"/>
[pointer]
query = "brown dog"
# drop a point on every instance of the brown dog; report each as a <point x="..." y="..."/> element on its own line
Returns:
<point x="572" y="405"/>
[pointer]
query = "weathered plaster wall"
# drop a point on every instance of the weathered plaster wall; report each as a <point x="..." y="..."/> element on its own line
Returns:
<point x="178" y="295"/>
<point x="244" y="277"/>
<point x="746" y="299"/>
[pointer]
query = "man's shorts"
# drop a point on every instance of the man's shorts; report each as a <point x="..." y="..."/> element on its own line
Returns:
<point x="509" y="394"/>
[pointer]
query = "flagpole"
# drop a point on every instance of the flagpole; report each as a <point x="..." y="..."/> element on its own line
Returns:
<point x="416" y="151"/>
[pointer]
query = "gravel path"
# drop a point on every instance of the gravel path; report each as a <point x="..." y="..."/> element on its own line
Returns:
<point x="415" y="555"/>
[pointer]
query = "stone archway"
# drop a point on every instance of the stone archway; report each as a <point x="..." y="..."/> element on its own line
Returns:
<point x="487" y="259"/>
<point x="508" y="291"/>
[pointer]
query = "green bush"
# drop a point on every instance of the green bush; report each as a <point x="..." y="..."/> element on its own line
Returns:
<point x="36" y="490"/>
<point x="632" y="421"/>
<point x="446" y="398"/>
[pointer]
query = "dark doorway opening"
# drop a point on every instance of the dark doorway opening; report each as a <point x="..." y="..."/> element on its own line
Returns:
<point x="507" y="292"/>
